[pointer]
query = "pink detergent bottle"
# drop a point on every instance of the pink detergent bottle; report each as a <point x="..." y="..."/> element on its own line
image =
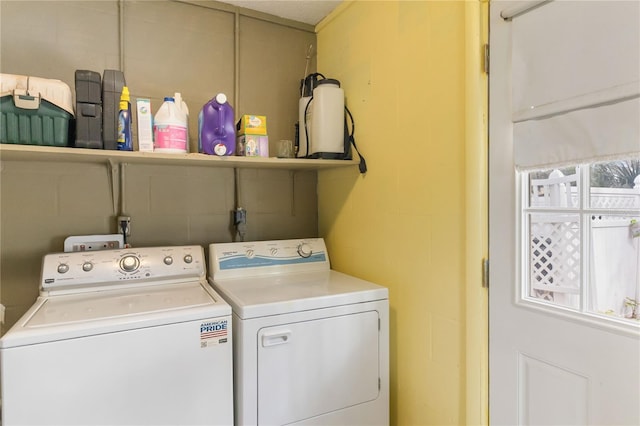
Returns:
<point x="217" y="129"/>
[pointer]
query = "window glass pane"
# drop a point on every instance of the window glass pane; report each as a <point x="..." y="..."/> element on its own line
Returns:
<point x="615" y="273"/>
<point x="582" y="244"/>
<point x="612" y="185"/>
<point x="554" y="258"/>
<point x="554" y="188"/>
<point x="614" y="284"/>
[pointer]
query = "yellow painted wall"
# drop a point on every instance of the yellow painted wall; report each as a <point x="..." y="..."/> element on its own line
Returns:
<point x="416" y="222"/>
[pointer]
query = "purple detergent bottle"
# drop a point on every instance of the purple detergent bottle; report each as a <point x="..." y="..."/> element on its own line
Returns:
<point x="217" y="129"/>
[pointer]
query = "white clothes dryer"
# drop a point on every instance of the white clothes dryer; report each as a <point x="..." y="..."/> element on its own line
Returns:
<point x="311" y="345"/>
<point x="120" y="337"/>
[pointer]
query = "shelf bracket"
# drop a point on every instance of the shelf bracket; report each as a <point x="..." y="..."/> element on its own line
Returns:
<point x="112" y="172"/>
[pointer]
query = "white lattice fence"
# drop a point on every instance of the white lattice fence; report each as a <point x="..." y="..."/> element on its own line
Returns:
<point x="601" y="198"/>
<point x="615" y="198"/>
<point x="555" y="257"/>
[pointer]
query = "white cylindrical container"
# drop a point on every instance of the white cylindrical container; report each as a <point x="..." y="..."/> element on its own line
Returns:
<point x="170" y="129"/>
<point x="327" y="128"/>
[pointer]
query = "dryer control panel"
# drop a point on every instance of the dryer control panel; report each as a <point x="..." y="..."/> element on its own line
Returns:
<point x="228" y="260"/>
<point x="77" y="271"/>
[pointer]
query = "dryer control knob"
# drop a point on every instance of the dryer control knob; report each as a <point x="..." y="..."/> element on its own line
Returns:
<point x="304" y="250"/>
<point x="168" y="260"/>
<point x="129" y="263"/>
<point x="188" y="258"/>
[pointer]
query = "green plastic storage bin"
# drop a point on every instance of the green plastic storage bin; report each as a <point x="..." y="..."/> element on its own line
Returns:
<point x="46" y="125"/>
<point x="35" y="111"/>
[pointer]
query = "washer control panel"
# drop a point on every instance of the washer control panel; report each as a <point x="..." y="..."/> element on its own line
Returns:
<point x="264" y="257"/>
<point x="111" y="267"/>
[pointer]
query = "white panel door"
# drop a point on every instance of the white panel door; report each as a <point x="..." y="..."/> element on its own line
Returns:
<point x="310" y="368"/>
<point x="545" y="367"/>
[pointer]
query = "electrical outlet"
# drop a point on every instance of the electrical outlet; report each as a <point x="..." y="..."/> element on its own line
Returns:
<point x="124" y="224"/>
<point x="240" y="216"/>
<point x="240" y="222"/>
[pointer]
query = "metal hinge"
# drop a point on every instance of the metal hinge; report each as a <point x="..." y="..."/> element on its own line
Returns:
<point x="485" y="273"/>
<point x="485" y="60"/>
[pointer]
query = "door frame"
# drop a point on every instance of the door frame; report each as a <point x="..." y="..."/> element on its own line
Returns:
<point x="475" y="388"/>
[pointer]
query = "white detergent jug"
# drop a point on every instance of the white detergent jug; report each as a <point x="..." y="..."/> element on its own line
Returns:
<point x="170" y="129"/>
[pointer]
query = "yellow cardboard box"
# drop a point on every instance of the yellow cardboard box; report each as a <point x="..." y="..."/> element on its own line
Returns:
<point x="252" y="125"/>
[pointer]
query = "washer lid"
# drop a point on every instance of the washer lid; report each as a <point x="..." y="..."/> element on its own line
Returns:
<point x="70" y="316"/>
<point x="285" y="293"/>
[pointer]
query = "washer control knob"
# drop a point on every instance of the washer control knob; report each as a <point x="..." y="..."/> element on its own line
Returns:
<point x="273" y="251"/>
<point x="304" y="250"/>
<point x="168" y="260"/>
<point x="188" y="258"/>
<point x="63" y="268"/>
<point x="129" y="263"/>
<point x="250" y="253"/>
<point x="87" y="266"/>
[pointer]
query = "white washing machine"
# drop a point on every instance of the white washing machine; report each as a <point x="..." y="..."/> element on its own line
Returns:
<point x="120" y="337"/>
<point x="311" y="345"/>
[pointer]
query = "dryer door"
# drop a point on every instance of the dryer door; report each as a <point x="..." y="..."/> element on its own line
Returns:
<point x="309" y="368"/>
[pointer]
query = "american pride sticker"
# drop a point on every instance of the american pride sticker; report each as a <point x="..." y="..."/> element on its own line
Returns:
<point x="213" y="332"/>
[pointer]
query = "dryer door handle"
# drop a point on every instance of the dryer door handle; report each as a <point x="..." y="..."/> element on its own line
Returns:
<point x="276" y="338"/>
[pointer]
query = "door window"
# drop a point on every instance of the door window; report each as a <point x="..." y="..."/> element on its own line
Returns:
<point x="581" y="239"/>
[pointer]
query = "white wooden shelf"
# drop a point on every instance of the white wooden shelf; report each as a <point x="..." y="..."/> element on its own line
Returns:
<point x="9" y="152"/>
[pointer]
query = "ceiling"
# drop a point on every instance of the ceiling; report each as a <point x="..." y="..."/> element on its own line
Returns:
<point x="307" y="11"/>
